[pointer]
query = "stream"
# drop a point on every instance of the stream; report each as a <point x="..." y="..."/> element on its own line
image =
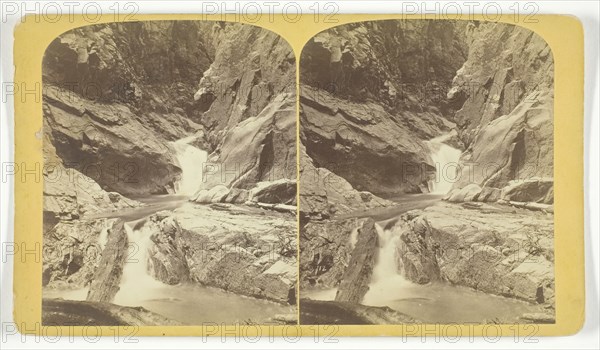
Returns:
<point x="190" y="304"/>
<point x="437" y="302"/>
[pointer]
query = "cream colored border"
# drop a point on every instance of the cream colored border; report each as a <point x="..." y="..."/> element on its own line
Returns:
<point x="564" y="34"/>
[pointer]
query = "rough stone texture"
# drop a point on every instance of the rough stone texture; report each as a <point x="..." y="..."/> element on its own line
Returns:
<point x="244" y="250"/>
<point x="72" y="251"/>
<point x="357" y="276"/>
<point x="531" y="190"/>
<point x="324" y="194"/>
<point x="58" y="312"/>
<point x="316" y="312"/>
<point x="371" y="93"/>
<point x="107" y="277"/>
<point x="364" y="144"/>
<point x="248" y="98"/>
<point x="116" y="94"/>
<point x="327" y="248"/>
<point x="280" y="191"/>
<point x="495" y="249"/>
<point x="506" y="119"/>
<point x="466" y="194"/>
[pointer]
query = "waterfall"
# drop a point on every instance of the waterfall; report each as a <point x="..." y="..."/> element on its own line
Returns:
<point x="445" y="159"/>
<point x="136" y="282"/>
<point x="191" y="160"/>
<point x="386" y="282"/>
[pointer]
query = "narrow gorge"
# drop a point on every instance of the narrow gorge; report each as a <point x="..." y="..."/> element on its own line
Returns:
<point x="426" y="174"/>
<point x="170" y="195"/>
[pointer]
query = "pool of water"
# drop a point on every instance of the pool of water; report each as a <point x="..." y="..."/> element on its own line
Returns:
<point x="193" y="304"/>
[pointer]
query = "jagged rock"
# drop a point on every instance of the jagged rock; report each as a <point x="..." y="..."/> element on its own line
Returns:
<point x="357" y="276"/>
<point x="530" y="190"/>
<point x="69" y="194"/>
<point x="506" y="118"/>
<point x="495" y="249"/>
<point x="363" y="144"/>
<point x="234" y="249"/>
<point x="324" y="194"/>
<point x="72" y="251"/>
<point x="248" y="99"/>
<point x="315" y="312"/>
<point x="328" y="248"/>
<point x="58" y="312"/>
<point x="258" y="148"/>
<point x="366" y="108"/>
<point x="107" y="277"/>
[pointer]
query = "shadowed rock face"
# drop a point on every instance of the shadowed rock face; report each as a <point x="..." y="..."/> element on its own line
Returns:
<point x="58" y="312"/>
<point x="332" y="312"/>
<point x="338" y="254"/>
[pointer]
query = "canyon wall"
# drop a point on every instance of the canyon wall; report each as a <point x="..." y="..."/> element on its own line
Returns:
<point x="372" y="92"/>
<point x="116" y="95"/>
<point x="506" y="117"/>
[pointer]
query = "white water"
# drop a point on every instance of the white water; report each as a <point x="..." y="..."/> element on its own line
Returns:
<point x="445" y="159"/>
<point x="436" y="301"/>
<point x="136" y="282"/>
<point x="386" y="282"/>
<point x="191" y="160"/>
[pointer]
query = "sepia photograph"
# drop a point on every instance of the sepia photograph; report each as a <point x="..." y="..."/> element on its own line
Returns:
<point x="426" y="174"/>
<point x="169" y="175"/>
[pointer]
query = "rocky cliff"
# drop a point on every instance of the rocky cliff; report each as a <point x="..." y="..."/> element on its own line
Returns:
<point x="506" y="117"/>
<point x="372" y="92"/>
<point x="247" y="100"/>
<point x="115" y="98"/>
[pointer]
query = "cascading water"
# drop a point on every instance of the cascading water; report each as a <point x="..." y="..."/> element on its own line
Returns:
<point x="136" y="282"/>
<point x="191" y="160"/>
<point x="386" y="282"/>
<point x="445" y="159"/>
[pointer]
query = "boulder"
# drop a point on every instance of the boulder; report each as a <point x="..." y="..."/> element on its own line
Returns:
<point x="489" y="194"/>
<point x="236" y="249"/>
<point x="530" y="190"/>
<point x="216" y="194"/>
<point x="496" y="249"/>
<point x="468" y="193"/>
<point x="279" y="191"/>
